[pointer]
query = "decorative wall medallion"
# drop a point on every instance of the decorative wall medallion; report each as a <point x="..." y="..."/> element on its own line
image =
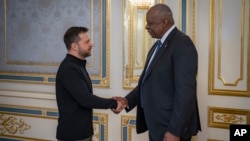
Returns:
<point x="12" y="125"/>
<point x="223" y="117"/>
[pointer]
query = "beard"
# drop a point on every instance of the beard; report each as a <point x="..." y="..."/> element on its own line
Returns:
<point x="84" y="52"/>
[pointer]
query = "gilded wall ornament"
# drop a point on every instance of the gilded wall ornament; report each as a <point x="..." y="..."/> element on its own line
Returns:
<point x="12" y="125"/>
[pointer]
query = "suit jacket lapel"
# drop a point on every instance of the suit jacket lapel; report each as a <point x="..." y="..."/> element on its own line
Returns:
<point x="150" y="53"/>
<point x="157" y="57"/>
<point x="163" y="48"/>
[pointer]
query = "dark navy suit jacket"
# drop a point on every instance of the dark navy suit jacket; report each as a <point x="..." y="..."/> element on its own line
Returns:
<point x="168" y="90"/>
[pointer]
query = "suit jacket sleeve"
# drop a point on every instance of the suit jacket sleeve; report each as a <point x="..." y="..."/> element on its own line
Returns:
<point x="132" y="99"/>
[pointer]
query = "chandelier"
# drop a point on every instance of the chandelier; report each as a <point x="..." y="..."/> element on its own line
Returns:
<point x="141" y="2"/>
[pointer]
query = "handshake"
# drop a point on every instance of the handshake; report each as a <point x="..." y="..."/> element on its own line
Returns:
<point x="121" y="104"/>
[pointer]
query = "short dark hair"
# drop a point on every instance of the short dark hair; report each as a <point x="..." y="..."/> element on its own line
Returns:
<point x="72" y="35"/>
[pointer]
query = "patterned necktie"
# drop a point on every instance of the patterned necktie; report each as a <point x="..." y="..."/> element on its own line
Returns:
<point x="158" y="46"/>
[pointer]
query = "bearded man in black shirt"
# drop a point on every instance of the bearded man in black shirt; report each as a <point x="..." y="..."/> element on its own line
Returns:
<point x="74" y="93"/>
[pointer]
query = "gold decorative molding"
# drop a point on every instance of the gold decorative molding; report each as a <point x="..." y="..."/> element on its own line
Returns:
<point x="19" y="138"/>
<point x="229" y="67"/>
<point x="187" y="18"/>
<point x="220" y="32"/>
<point x="128" y="124"/>
<point x="137" y="42"/>
<point x="194" y="138"/>
<point x="100" y="124"/>
<point x="194" y="21"/>
<point x="223" y="117"/>
<point x="213" y="140"/>
<point x="12" y="125"/>
<point x="41" y="69"/>
<point x="26" y="111"/>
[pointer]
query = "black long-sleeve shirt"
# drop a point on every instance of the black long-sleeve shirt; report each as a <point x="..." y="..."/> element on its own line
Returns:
<point x="75" y="100"/>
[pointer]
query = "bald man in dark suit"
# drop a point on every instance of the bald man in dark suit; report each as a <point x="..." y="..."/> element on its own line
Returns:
<point x="165" y="96"/>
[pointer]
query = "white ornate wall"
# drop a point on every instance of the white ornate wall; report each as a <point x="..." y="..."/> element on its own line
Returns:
<point x="220" y="30"/>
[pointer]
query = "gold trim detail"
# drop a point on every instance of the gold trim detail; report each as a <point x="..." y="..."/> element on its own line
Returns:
<point x="133" y="44"/>
<point x="126" y="126"/>
<point x="194" y="17"/>
<point x="128" y="123"/>
<point x="213" y="140"/>
<point x="229" y="118"/>
<point x="228" y="88"/>
<point x="223" y="117"/>
<point x="102" y="121"/>
<point x="136" y="42"/>
<point x="101" y="79"/>
<point x="220" y="77"/>
<point x="19" y="138"/>
<point x="12" y="125"/>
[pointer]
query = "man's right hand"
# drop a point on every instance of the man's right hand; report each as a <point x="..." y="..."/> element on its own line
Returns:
<point x="121" y="104"/>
